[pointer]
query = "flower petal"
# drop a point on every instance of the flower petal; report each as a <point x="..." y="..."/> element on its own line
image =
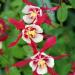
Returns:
<point x="41" y="70"/>
<point x="27" y="19"/>
<point x="50" y="62"/>
<point x="18" y="24"/>
<point x="41" y="19"/>
<point x="38" y="28"/>
<point x="60" y="57"/>
<point x="22" y="63"/>
<point x="38" y="38"/>
<point x="26" y="9"/>
<point x="26" y="39"/>
<point x="51" y="71"/>
<point x="49" y="43"/>
<point x="33" y="66"/>
<point x="34" y="47"/>
<point x="28" y="2"/>
<point x="16" y="41"/>
<point x="0" y="45"/>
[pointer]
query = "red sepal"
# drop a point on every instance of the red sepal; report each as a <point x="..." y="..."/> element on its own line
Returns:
<point x="51" y="71"/>
<point x="28" y="2"/>
<point x="35" y="73"/>
<point x="34" y="47"/>
<point x="3" y="37"/>
<point x="52" y="9"/>
<point x="22" y="63"/>
<point x="42" y="19"/>
<point x="60" y="57"/>
<point x="18" y="24"/>
<point x="49" y="43"/>
<point x="16" y="41"/>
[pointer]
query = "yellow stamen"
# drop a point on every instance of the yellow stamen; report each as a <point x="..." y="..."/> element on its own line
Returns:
<point x="31" y="34"/>
<point x="33" y="14"/>
<point x="42" y="63"/>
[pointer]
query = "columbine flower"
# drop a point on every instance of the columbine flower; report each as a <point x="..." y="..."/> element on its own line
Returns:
<point x="3" y="28"/>
<point x="34" y="14"/>
<point x="41" y="63"/>
<point x="29" y="32"/>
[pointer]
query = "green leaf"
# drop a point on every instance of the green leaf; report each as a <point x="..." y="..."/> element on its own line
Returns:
<point x="28" y="50"/>
<point x="72" y="3"/>
<point x="18" y="52"/>
<point x="14" y="71"/>
<point x="62" y="13"/>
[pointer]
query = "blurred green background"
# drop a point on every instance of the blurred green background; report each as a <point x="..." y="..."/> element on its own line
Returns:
<point x="64" y="21"/>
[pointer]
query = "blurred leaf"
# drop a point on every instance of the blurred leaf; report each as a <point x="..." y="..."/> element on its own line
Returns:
<point x="14" y="71"/>
<point x="28" y="50"/>
<point x="62" y="13"/>
<point x="72" y="3"/>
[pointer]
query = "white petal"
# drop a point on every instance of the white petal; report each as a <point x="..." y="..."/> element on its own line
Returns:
<point x="27" y="19"/>
<point x="32" y="66"/>
<point x="42" y="71"/>
<point x="26" y="39"/>
<point x="38" y="28"/>
<point x="0" y="45"/>
<point x="26" y="9"/>
<point x="50" y="63"/>
<point x="38" y="38"/>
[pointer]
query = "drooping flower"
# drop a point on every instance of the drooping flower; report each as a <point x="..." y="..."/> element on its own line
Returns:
<point x="3" y="29"/>
<point x="28" y="32"/>
<point x="41" y="63"/>
<point x="34" y="14"/>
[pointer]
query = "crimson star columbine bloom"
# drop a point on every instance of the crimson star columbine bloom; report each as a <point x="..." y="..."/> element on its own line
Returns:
<point x="28" y="32"/>
<point x="41" y="63"/>
<point x="34" y="14"/>
<point x="3" y="28"/>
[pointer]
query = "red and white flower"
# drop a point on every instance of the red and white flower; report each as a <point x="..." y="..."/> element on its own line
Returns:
<point x="28" y="32"/>
<point x="37" y="15"/>
<point x="32" y="32"/>
<point x="40" y="62"/>
<point x="31" y="14"/>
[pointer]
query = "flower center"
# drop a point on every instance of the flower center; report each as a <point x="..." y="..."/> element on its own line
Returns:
<point x="1" y="27"/>
<point x="30" y="32"/>
<point x="33" y="14"/>
<point x="41" y="63"/>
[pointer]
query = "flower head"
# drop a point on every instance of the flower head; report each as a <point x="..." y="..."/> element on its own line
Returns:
<point x="37" y="15"/>
<point x="3" y="29"/>
<point x="28" y="32"/>
<point x="41" y="63"/>
<point x="31" y="14"/>
<point x="32" y="32"/>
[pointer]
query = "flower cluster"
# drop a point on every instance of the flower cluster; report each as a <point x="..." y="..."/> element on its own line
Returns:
<point x="32" y="33"/>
